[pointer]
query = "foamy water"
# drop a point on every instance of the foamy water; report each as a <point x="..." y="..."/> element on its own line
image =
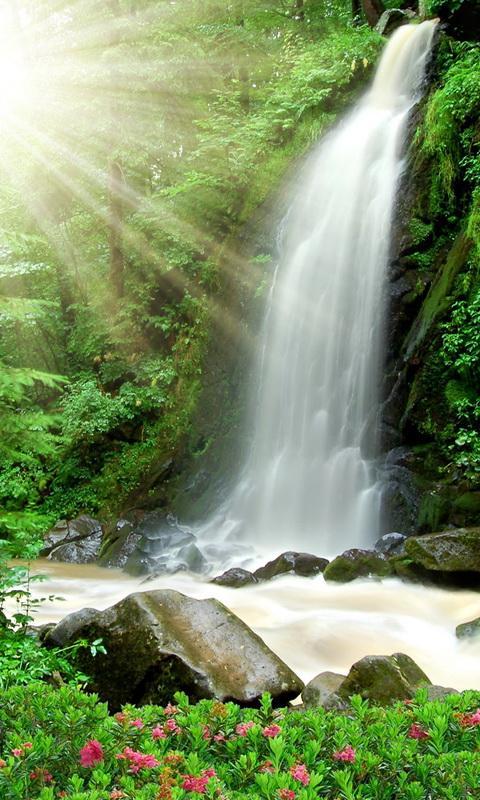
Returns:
<point x="311" y="624"/>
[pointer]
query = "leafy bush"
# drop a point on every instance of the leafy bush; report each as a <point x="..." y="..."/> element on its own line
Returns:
<point x="64" y="743"/>
<point x="22" y="659"/>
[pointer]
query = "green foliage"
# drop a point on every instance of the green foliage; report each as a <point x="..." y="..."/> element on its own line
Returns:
<point x="257" y="753"/>
<point x="443" y="7"/>
<point x="448" y="155"/>
<point x="22" y="659"/>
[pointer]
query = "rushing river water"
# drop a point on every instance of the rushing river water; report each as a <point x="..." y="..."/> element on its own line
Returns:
<point x="312" y="625"/>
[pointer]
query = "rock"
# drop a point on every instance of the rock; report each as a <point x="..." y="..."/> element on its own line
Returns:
<point x="122" y="542"/>
<point x="392" y="19"/>
<point x="390" y="544"/>
<point x="468" y="629"/>
<point x="235" y="578"/>
<point x="322" y="690"/>
<point x="163" y="546"/>
<point x="77" y="540"/>
<point x="400" y="499"/>
<point x="439" y="692"/>
<point x="384" y="679"/>
<point x="160" y="642"/>
<point x="304" y="564"/>
<point x="357" y="564"/>
<point x="449" y="551"/>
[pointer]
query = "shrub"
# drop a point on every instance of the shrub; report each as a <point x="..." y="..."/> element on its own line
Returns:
<point x="65" y="744"/>
<point x="22" y="659"/>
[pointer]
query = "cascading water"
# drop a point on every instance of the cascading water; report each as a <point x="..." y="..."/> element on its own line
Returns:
<point x="310" y="481"/>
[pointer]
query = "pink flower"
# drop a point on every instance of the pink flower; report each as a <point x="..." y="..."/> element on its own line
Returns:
<point x="47" y="777"/>
<point x="138" y="760"/>
<point x="3" y="763"/>
<point x="17" y="751"/>
<point x="207" y="734"/>
<point x="91" y="753"/>
<point x="243" y="728"/>
<point x="116" y="794"/>
<point x="416" y="732"/>
<point x="271" y="731"/>
<point x="27" y="745"/>
<point x="209" y="773"/>
<point x="158" y="733"/>
<point x="286" y="794"/>
<point x="120" y="717"/>
<point x="170" y="710"/>
<point x="171" y="726"/>
<point x="347" y="754"/>
<point x="137" y="723"/>
<point x="467" y="720"/>
<point x="300" y="773"/>
<point x="219" y="737"/>
<point x="192" y="783"/>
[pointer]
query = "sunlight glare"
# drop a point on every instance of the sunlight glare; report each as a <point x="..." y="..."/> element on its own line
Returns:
<point x="13" y="82"/>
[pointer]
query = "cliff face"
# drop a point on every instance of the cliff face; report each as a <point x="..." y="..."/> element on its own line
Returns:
<point x="432" y="410"/>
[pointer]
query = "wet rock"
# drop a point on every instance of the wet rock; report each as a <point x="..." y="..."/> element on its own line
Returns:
<point x="77" y="541"/>
<point x="468" y="629"/>
<point x="304" y="564"/>
<point x="448" y="551"/>
<point x="384" y="679"/>
<point x="322" y="690"/>
<point x="391" y="544"/>
<point x="400" y="500"/>
<point x="357" y="564"/>
<point x="392" y="19"/>
<point x="163" y="546"/>
<point x="161" y="642"/>
<point x="120" y="542"/>
<point x="235" y="578"/>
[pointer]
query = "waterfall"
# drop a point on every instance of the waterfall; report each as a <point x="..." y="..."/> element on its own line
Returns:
<point x="310" y="482"/>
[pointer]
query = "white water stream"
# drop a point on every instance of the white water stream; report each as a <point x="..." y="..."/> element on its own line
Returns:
<point x="310" y="482"/>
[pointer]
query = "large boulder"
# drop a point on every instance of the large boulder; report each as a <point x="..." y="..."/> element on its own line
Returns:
<point x="449" y="551"/>
<point x="77" y="541"/>
<point x="357" y="563"/>
<point x="304" y="564"/>
<point x="160" y="642"/>
<point x="384" y="679"/>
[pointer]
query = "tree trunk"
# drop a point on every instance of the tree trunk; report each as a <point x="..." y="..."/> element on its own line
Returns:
<point x="299" y="12"/>
<point x="116" y="191"/>
<point x="373" y="10"/>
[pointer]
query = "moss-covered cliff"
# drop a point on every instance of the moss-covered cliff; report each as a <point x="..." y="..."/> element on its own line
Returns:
<point x="433" y="385"/>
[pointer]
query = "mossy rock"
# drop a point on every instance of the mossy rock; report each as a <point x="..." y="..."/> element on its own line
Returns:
<point x="357" y="564"/>
<point x="384" y="679"/>
<point x="447" y="551"/>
